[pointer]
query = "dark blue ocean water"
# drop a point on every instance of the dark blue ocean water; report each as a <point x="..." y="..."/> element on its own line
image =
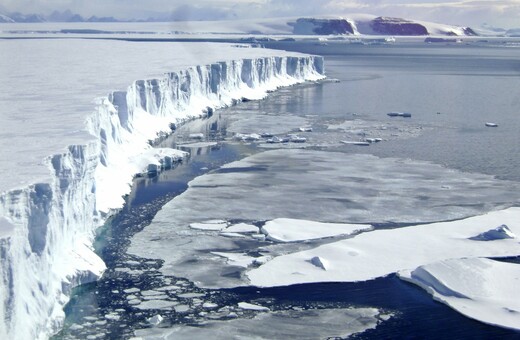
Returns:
<point x="451" y="92"/>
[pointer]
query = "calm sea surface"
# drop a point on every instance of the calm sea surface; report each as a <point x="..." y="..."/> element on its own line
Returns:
<point x="451" y="91"/>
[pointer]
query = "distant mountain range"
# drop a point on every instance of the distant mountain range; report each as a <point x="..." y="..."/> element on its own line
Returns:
<point x="56" y="16"/>
<point x="359" y="24"/>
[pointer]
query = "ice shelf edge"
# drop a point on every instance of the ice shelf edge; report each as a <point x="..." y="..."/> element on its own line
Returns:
<point x="47" y="229"/>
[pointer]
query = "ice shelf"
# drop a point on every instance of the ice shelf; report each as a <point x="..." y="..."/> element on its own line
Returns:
<point x="75" y="124"/>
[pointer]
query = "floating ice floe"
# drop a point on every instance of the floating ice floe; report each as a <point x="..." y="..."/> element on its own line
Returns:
<point x="241" y="228"/>
<point x="400" y="114"/>
<point x="210" y="225"/>
<point x="292" y="230"/>
<point x="491" y="124"/>
<point x="156" y="304"/>
<point x="482" y="289"/>
<point x="355" y="143"/>
<point x="247" y="137"/>
<point x="196" y="136"/>
<point x="250" y="306"/>
<point x="155" y="320"/>
<point x="382" y="252"/>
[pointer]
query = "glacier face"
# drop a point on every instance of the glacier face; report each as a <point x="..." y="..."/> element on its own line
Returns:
<point x="47" y="228"/>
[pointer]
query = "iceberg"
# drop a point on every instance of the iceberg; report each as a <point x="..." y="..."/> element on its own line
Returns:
<point x="73" y="138"/>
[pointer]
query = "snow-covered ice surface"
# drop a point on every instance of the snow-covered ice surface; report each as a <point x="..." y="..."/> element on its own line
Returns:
<point x="383" y="252"/>
<point x="318" y="324"/>
<point x="480" y="288"/>
<point x="76" y="120"/>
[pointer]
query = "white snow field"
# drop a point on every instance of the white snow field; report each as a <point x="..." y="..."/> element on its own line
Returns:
<point x="479" y="288"/>
<point x="76" y="119"/>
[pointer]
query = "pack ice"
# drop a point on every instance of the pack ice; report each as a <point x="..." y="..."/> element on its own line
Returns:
<point x="76" y="121"/>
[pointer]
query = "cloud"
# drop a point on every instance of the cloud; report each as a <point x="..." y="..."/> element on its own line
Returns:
<point x="198" y="13"/>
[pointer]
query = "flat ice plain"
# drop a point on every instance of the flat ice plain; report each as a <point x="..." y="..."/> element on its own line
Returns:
<point x="55" y="85"/>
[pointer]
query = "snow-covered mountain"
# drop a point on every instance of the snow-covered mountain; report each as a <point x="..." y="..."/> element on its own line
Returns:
<point x="372" y="25"/>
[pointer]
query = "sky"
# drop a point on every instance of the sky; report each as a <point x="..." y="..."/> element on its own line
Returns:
<point x="498" y="13"/>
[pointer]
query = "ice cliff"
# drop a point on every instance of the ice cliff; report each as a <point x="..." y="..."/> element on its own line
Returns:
<point x="47" y="228"/>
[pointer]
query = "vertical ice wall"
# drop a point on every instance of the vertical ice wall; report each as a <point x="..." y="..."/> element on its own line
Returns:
<point x="46" y="229"/>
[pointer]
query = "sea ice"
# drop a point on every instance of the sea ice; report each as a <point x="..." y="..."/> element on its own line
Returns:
<point x="291" y="324"/>
<point x="334" y="187"/>
<point x="482" y="289"/>
<point x="330" y="187"/>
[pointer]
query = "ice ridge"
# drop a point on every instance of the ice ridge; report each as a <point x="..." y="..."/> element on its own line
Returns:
<point x="47" y="229"/>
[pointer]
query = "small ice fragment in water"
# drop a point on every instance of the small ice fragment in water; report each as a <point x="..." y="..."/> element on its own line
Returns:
<point x="209" y="305"/>
<point x="250" y="306"/>
<point x="399" y="114"/>
<point x="242" y="228"/>
<point x="305" y="129"/>
<point x="373" y="140"/>
<point x="355" y="143"/>
<point x="132" y="290"/>
<point x="196" y="135"/>
<point x="491" y="124"/>
<point x="210" y="225"/>
<point x="247" y="137"/>
<point x="155" y="320"/>
<point x="182" y="308"/>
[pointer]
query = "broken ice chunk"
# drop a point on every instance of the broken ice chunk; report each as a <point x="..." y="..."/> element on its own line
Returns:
<point x="196" y="135"/>
<point x="499" y="233"/>
<point x="209" y="225"/>
<point x="155" y="320"/>
<point x="250" y="306"/>
<point x="242" y="228"/>
<point x="320" y="262"/>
